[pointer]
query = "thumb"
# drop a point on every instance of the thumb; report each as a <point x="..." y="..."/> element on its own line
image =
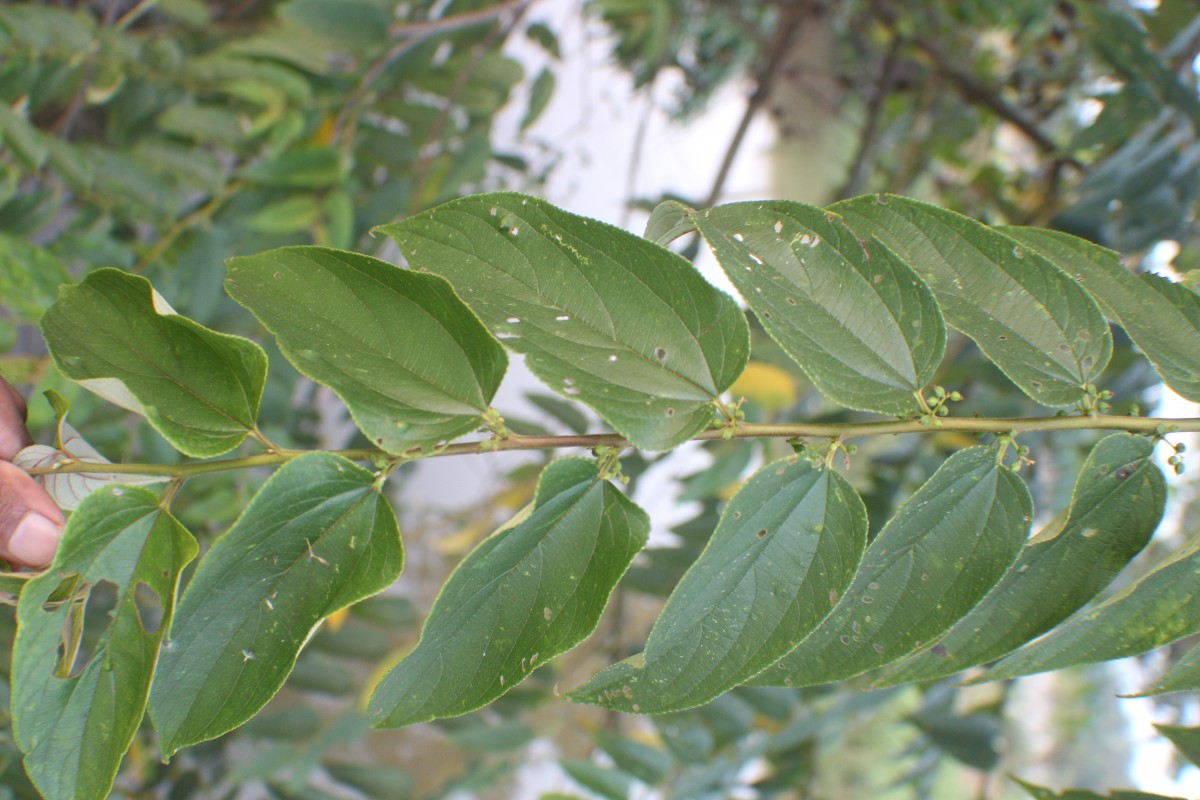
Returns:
<point x="31" y="523"/>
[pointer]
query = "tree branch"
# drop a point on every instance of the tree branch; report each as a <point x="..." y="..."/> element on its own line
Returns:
<point x="411" y="34"/>
<point x="764" y="82"/>
<point x="816" y="430"/>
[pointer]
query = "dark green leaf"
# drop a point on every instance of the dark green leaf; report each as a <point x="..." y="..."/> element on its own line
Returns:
<point x="786" y="548"/>
<point x="622" y="324"/>
<point x="74" y="720"/>
<point x="1162" y="318"/>
<point x="411" y="362"/>
<point x="1026" y="315"/>
<point x="933" y="562"/>
<point x="860" y="323"/>
<point x="526" y="594"/>
<point x="1186" y="740"/>
<point x="117" y="337"/>
<point x="317" y="537"/>
<point x="1158" y="609"/>
<point x="969" y="738"/>
<point x="501" y="738"/>
<point x="1115" y="508"/>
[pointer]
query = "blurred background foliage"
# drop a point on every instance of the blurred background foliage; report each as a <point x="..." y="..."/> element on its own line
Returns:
<point x="164" y="136"/>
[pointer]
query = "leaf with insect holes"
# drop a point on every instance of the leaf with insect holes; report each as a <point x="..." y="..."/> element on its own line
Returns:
<point x="75" y="719"/>
<point x="528" y="593"/>
<point x="317" y="537"/>
<point x="858" y="320"/>
<point x="1026" y="315"/>
<point x="603" y="316"/>
<point x="412" y="363"/>
<point x="933" y="562"/>
<point x="118" y="338"/>
<point x="1162" y="318"/>
<point x="786" y="548"/>
<point x="1115" y="508"/>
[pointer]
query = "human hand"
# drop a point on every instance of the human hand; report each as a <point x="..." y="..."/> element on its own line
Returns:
<point x="30" y="521"/>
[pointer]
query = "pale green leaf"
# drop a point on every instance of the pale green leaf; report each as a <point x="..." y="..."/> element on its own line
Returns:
<point x="1115" y="508"/>
<point x="526" y="594"/>
<point x="115" y="335"/>
<point x="606" y="317"/>
<point x="786" y="548"/>
<point x="74" y="721"/>
<point x="412" y="363"/>
<point x="317" y="537"/>
<point x="1024" y="313"/>
<point x="933" y="562"/>
<point x="1162" y="318"/>
<point x="860" y="323"/>
<point x="668" y="221"/>
<point x="1158" y="609"/>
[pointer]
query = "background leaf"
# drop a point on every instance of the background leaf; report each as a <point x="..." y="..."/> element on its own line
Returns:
<point x="411" y="362"/>
<point x="525" y="595"/>
<point x="1115" y="508"/>
<point x="606" y="317"/>
<point x="200" y="389"/>
<point x="860" y="323"/>
<point x="1024" y="313"/>
<point x="945" y="548"/>
<point x="74" y="721"/>
<point x="1159" y="316"/>
<point x="1182" y="676"/>
<point x="786" y="548"/>
<point x="317" y="537"/>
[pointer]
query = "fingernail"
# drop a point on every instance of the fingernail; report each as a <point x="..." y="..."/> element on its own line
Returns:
<point x="35" y="540"/>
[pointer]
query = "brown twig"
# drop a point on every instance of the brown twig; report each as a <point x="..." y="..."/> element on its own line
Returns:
<point x="764" y="82"/>
<point x="864" y="156"/>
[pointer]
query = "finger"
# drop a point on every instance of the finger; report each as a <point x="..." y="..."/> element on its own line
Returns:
<point x="30" y="522"/>
<point x="13" y="435"/>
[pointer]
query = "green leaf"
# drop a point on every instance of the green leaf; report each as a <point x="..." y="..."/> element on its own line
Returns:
<point x="1186" y="740"/>
<point x="621" y="324"/>
<point x="117" y="337"/>
<point x="786" y="548"/>
<point x="1115" y="508"/>
<point x="941" y="553"/>
<point x="1162" y="318"/>
<point x="860" y="323"/>
<point x="290" y="215"/>
<point x="1158" y="609"/>
<point x="1042" y="793"/>
<point x="1182" y="676"/>
<point x="650" y="765"/>
<point x="311" y="168"/>
<point x="528" y="593"/>
<point x="317" y="537"/>
<point x="1026" y="315"/>
<point x="606" y="782"/>
<point x="74" y="721"/>
<point x="412" y="363"/>
<point x="668" y="221"/>
<point x="566" y="413"/>
<point x="20" y="137"/>
<point x="540" y="93"/>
